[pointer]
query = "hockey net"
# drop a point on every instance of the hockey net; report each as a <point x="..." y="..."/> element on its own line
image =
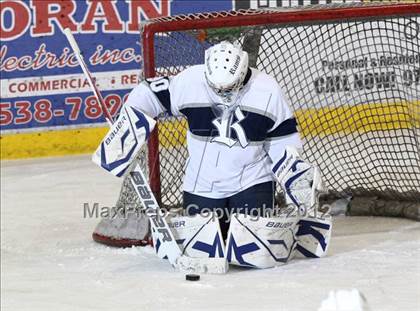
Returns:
<point x="351" y="75"/>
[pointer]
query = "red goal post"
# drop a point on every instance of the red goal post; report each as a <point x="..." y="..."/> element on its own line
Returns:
<point x="345" y="117"/>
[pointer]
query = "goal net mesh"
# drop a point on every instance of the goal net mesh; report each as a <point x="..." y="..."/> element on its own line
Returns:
<point x="353" y="85"/>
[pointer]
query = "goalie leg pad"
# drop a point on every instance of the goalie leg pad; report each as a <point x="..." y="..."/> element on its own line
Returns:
<point x="262" y="242"/>
<point x="197" y="236"/>
<point x="123" y="141"/>
<point x="313" y="237"/>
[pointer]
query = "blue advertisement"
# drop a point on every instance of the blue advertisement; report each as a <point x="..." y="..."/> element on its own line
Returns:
<point x="42" y="85"/>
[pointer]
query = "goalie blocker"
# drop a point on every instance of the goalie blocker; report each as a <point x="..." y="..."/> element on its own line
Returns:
<point x="123" y="141"/>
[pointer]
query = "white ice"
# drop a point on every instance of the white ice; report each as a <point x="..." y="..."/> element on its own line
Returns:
<point x="49" y="262"/>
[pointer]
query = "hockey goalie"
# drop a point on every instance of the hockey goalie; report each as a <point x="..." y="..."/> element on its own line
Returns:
<point x="242" y="139"/>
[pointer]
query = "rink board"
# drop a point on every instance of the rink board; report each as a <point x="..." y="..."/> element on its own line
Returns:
<point x="316" y="122"/>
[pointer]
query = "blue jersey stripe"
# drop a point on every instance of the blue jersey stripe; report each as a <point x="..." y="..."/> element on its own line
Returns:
<point x="200" y="123"/>
<point x="287" y="127"/>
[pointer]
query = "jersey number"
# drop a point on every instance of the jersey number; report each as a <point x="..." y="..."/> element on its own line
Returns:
<point x="160" y="87"/>
<point x="158" y="84"/>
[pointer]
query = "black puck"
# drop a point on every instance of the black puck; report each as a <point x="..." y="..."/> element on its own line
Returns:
<point x="192" y="277"/>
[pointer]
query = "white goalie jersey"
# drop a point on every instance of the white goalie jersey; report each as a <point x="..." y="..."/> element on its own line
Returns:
<point x="230" y="148"/>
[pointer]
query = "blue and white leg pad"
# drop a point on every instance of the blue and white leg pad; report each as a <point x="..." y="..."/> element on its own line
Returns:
<point x="313" y="237"/>
<point x="262" y="242"/>
<point x="123" y="140"/>
<point x="197" y="236"/>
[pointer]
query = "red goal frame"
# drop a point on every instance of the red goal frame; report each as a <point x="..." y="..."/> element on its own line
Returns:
<point x="290" y="16"/>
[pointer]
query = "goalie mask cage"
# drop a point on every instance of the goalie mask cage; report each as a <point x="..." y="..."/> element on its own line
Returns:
<point x="350" y="74"/>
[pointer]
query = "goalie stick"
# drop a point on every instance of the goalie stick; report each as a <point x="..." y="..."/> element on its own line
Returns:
<point x="142" y="188"/>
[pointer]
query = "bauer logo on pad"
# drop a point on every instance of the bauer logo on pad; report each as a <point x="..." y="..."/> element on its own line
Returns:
<point x="123" y="141"/>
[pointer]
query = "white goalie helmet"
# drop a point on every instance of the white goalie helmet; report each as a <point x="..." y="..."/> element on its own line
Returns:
<point x="226" y="66"/>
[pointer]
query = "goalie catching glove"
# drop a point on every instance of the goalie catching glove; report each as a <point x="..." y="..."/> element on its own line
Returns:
<point x="301" y="183"/>
<point x="123" y="140"/>
<point x="300" y="180"/>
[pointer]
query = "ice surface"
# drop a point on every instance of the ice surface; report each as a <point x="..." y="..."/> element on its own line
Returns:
<point x="49" y="261"/>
